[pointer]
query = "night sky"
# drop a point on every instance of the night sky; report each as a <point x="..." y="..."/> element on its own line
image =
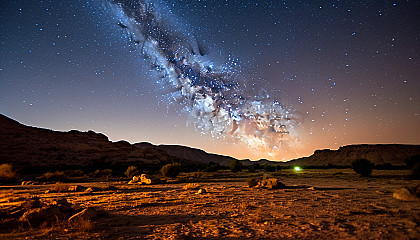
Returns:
<point x="348" y="70"/>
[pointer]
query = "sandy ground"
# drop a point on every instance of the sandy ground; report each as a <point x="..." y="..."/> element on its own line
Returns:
<point x="312" y="207"/>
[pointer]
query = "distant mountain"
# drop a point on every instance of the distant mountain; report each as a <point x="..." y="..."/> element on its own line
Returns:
<point x="394" y="154"/>
<point x="36" y="149"/>
<point x="189" y="153"/>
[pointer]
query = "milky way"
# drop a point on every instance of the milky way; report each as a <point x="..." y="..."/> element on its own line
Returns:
<point x="216" y="97"/>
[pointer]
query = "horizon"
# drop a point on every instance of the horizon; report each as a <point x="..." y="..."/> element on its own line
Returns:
<point x="244" y="159"/>
<point x="341" y="73"/>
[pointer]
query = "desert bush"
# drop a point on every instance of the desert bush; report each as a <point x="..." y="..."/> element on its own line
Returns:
<point x="257" y="166"/>
<point x="251" y="169"/>
<point x="253" y="181"/>
<point x="131" y="171"/>
<point x="412" y="161"/>
<point x="270" y="168"/>
<point x="6" y="172"/>
<point x="362" y="166"/>
<point x="415" y="171"/>
<point x="171" y="170"/>
<point x="104" y="173"/>
<point x="212" y="167"/>
<point x="270" y="183"/>
<point x="57" y="176"/>
<point x="235" y="166"/>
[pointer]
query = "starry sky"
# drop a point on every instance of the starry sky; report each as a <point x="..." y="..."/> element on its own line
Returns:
<point x="349" y="68"/>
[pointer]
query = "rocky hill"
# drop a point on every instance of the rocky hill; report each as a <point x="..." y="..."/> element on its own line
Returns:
<point x="394" y="154"/>
<point x="36" y="149"/>
<point x="189" y="153"/>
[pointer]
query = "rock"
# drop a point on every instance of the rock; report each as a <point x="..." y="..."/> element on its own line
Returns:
<point x="63" y="205"/>
<point x="89" y="213"/>
<point x="32" y="203"/>
<point x="270" y="183"/>
<point x="145" y="180"/>
<point x="142" y="179"/>
<point x="405" y="195"/>
<point x="201" y="190"/>
<point x="47" y="214"/>
<point x="76" y="188"/>
<point x="27" y="183"/>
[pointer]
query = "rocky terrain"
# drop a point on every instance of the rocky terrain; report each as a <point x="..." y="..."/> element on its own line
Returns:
<point x="313" y="204"/>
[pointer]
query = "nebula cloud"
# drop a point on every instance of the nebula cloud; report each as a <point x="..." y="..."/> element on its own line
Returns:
<point x="215" y="97"/>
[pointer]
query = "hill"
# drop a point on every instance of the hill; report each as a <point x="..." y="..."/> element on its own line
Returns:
<point x="33" y="149"/>
<point x="394" y="154"/>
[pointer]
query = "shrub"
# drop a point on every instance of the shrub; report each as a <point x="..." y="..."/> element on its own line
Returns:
<point x="105" y="173"/>
<point x="131" y="171"/>
<point x="269" y="183"/>
<point x="235" y="166"/>
<point x="362" y="166"/>
<point x="252" y="182"/>
<point x="415" y="171"/>
<point x="171" y="170"/>
<point x="212" y="167"/>
<point x="6" y="172"/>
<point x="270" y="168"/>
<point x="412" y="161"/>
<point x="56" y="176"/>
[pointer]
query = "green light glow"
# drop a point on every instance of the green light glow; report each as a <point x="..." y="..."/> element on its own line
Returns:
<point x="297" y="169"/>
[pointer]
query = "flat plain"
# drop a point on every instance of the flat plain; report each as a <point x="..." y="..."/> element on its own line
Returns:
<point x="316" y="204"/>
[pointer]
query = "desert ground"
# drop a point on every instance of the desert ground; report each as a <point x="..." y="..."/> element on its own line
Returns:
<point x="316" y="204"/>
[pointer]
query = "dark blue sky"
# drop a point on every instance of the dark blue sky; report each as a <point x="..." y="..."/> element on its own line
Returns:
<point x="351" y="68"/>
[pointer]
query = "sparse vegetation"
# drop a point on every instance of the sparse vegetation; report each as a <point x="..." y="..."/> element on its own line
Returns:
<point x="253" y="181"/>
<point x="212" y="167"/>
<point x="6" y="172"/>
<point x="415" y="171"/>
<point x="104" y="173"/>
<point x="235" y="166"/>
<point x="265" y="182"/>
<point x="171" y="170"/>
<point x="132" y="171"/>
<point x="270" y="168"/>
<point x="57" y="176"/>
<point x="362" y="166"/>
<point x="412" y="161"/>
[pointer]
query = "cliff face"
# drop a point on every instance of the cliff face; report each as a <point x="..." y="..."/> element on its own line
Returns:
<point x="395" y="154"/>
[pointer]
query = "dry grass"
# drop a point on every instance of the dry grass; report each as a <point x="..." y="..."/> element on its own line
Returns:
<point x="192" y="186"/>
